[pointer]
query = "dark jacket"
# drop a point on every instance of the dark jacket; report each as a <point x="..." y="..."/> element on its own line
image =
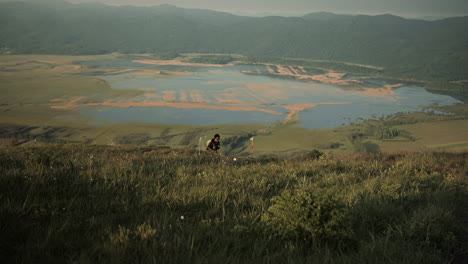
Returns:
<point x="213" y="145"/>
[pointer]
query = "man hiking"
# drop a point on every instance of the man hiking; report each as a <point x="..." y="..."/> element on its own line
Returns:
<point x="214" y="144"/>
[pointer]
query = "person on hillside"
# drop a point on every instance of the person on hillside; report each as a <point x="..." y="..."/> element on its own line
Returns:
<point x="214" y="144"/>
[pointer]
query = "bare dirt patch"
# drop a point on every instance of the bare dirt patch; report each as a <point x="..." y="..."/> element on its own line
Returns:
<point x="302" y="107"/>
<point x="227" y="99"/>
<point x="296" y="108"/>
<point x="334" y="78"/>
<point x="221" y="82"/>
<point x="384" y="91"/>
<point x="181" y="63"/>
<point x="147" y="89"/>
<point x="197" y="96"/>
<point x="267" y="92"/>
<point x="169" y="95"/>
<point x="183" y="96"/>
<point x="152" y="95"/>
<point x="145" y="73"/>
<point x="74" y="103"/>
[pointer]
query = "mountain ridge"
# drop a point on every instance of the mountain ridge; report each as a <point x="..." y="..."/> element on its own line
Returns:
<point x="432" y="49"/>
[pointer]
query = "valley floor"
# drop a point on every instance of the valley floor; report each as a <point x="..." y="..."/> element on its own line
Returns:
<point x="33" y="87"/>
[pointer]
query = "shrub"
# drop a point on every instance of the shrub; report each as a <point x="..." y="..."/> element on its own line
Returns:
<point x="212" y="59"/>
<point x="314" y="154"/>
<point x="311" y="215"/>
<point x="169" y="55"/>
<point x="390" y="133"/>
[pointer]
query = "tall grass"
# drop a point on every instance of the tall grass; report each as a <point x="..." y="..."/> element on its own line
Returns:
<point x="100" y="204"/>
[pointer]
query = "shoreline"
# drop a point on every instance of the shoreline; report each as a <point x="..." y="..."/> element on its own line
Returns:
<point x="291" y="115"/>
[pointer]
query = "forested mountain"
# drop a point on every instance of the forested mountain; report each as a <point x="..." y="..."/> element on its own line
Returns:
<point x="433" y="49"/>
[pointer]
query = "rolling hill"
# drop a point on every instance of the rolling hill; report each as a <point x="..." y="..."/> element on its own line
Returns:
<point x="430" y="50"/>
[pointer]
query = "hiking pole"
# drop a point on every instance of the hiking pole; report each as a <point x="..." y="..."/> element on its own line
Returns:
<point x="199" y="146"/>
<point x="252" y="144"/>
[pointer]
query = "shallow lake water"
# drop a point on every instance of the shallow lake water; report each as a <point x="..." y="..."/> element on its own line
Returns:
<point x="247" y="98"/>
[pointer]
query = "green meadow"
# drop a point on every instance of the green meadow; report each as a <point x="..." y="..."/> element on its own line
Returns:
<point x="78" y="203"/>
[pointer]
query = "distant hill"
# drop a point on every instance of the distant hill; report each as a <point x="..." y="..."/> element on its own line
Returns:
<point x="411" y="48"/>
<point x="325" y="16"/>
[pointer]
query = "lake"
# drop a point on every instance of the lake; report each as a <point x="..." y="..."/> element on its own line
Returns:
<point x="210" y="95"/>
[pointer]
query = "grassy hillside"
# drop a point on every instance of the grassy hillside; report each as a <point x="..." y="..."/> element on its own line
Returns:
<point x="100" y="204"/>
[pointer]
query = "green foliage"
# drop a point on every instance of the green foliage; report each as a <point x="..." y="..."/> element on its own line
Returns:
<point x="456" y="90"/>
<point x="356" y="138"/>
<point x="305" y="214"/>
<point x="431" y="225"/>
<point x="368" y="146"/>
<point x="121" y="204"/>
<point x="169" y="55"/>
<point x="212" y="59"/>
<point x="314" y="154"/>
<point x="389" y="133"/>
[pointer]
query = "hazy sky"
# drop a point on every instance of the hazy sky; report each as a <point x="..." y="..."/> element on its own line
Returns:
<point x="397" y="7"/>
